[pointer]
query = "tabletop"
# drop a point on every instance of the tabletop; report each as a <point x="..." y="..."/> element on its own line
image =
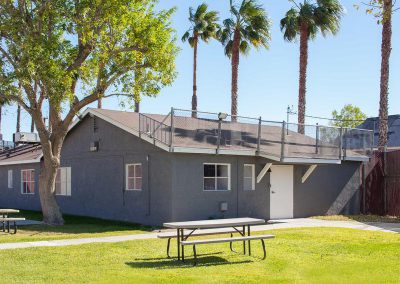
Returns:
<point x="3" y="211"/>
<point x="216" y="223"/>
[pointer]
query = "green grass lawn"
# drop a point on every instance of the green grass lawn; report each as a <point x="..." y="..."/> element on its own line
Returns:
<point x="309" y="255"/>
<point x="75" y="227"/>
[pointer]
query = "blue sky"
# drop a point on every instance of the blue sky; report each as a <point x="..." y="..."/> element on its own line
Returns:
<point x="343" y="69"/>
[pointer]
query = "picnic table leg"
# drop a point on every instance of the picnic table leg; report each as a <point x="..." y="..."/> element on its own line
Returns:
<point x="183" y="247"/>
<point x="15" y="227"/>
<point x="8" y="226"/>
<point x="178" y="243"/>
<point x="168" y="245"/>
<point x="4" y="223"/>
<point x="244" y="242"/>
<point x="248" y="233"/>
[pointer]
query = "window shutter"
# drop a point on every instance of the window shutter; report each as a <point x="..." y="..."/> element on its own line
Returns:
<point x="68" y="184"/>
<point x="63" y="181"/>
<point x="10" y="179"/>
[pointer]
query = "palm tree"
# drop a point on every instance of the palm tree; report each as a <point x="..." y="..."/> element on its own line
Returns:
<point x="386" y="48"/>
<point x="3" y="102"/>
<point x="18" y="128"/>
<point x="306" y="20"/>
<point x="203" y="26"/>
<point x="248" y="26"/>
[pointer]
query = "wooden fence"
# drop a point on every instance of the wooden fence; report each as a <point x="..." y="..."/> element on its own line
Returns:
<point x="381" y="186"/>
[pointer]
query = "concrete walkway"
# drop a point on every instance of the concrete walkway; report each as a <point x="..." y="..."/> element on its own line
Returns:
<point x="272" y="225"/>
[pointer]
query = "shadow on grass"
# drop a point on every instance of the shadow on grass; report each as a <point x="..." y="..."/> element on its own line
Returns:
<point x="171" y="263"/>
<point x="79" y="225"/>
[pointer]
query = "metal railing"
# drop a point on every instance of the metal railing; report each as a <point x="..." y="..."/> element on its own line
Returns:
<point x="157" y="130"/>
<point x="237" y="133"/>
<point x="6" y="145"/>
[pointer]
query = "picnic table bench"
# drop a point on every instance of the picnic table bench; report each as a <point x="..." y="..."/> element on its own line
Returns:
<point x="187" y="234"/>
<point x="10" y="220"/>
<point x="4" y="218"/>
<point x="227" y="240"/>
<point x="184" y="230"/>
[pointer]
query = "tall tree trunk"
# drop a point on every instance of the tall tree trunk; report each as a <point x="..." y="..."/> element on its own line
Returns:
<point x="51" y="211"/>
<point x="386" y="49"/>
<point x="18" y="118"/>
<point x="32" y="126"/>
<point x="1" y="110"/>
<point x="137" y="106"/>
<point x="51" y="148"/>
<point x="235" y="74"/>
<point x="100" y="103"/>
<point x="194" y="97"/>
<point x="301" y="112"/>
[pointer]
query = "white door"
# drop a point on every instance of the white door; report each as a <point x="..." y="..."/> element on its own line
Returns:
<point x="281" y="192"/>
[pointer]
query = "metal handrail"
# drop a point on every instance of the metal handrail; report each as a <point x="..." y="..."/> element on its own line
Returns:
<point x="320" y="143"/>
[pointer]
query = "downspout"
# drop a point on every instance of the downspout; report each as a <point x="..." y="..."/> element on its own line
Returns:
<point x="148" y="187"/>
<point x="237" y="187"/>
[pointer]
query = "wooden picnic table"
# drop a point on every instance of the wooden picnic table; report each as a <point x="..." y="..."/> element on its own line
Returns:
<point x="235" y="223"/>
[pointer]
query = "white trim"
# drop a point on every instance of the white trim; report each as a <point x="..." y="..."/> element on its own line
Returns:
<point x="356" y="159"/>
<point x="22" y="162"/>
<point x="177" y="149"/>
<point x="310" y="161"/>
<point x="134" y="176"/>
<point x="253" y="176"/>
<point x="308" y="173"/>
<point x="216" y="178"/>
<point x="22" y="182"/>
<point x="263" y="172"/>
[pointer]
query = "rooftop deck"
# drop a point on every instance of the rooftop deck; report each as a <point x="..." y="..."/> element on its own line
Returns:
<point x="244" y="135"/>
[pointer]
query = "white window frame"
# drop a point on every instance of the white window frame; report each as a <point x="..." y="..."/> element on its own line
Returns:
<point x="65" y="181"/>
<point x="134" y="177"/>
<point x="253" y="176"/>
<point x="10" y="181"/>
<point x="22" y="182"/>
<point x="216" y="178"/>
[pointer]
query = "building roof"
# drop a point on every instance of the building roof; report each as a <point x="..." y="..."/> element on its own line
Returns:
<point x="24" y="154"/>
<point x="372" y="123"/>
<point x="203" y="134"/>
<point x="200" y="135"/>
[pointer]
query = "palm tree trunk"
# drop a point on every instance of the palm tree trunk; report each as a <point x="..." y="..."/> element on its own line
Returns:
<point x="386" y="49"/>
<point x="99" y="103"/>
<point x="235" y="74"/>
<point x="18" y="118"/>
<point x="137" y="106"/>
<point x="1" y="109"/>
<point x="194" y="97"/>
<point x="32" y="126"/>
<point x="301" y="112"/>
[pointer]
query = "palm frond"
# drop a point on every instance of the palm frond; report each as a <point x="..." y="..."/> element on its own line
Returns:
<point x="204" y="24"/>
<point x="252" y="21"/>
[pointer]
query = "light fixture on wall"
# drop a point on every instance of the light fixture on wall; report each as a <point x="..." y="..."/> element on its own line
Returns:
<point x="222" y="115"/>
<point x="94" y="146"/>
<point x="223" y="206"/>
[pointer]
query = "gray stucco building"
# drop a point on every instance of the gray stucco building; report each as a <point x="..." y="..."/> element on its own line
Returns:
<point x="150" y="169"/>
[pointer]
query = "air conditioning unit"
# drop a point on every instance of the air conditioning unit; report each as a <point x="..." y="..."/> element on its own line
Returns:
<point x="26" y="137"/>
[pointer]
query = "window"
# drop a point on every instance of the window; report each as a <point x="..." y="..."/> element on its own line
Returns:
<point x="134" y="177"/>
<point x="217" y="177"/>
<point x="63" y="181"/>
<point x="10" y="179"/>
<point x="27" y="181"/>
<point x="249" y="177"/>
